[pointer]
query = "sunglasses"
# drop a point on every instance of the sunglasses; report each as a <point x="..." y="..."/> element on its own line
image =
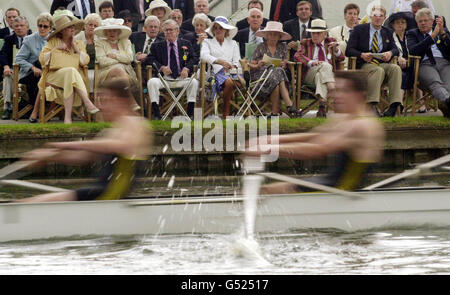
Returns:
<point x="44" y="26"/>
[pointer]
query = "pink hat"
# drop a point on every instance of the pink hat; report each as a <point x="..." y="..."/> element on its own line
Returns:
<point x="272" y="26"/>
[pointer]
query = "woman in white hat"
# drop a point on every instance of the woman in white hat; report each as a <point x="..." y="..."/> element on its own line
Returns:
<point x="275" y="86"/>
<point x="222" y="53"/>
<point x="65" y="58"/>
<point x="114" y="51"/>
<point x="160" y="9"/>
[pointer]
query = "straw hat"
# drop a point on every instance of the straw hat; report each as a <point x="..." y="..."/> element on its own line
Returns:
<point x="156" y="4"/>
<point x="113" y="24"/>
<point x="318" y="25"/>
<point x="64" y="19"/>
<point x="272" y="26"/>
<point x="224" y="23"/>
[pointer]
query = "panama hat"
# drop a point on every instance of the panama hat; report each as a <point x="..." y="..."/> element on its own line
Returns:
<point x="156" y="4"/>
<point x="113" y="24"/>
<point x="64" y="19"/>
<point x="318" y="25"/>
<point x="272" y="26"/>
<point x="224" y="23"/>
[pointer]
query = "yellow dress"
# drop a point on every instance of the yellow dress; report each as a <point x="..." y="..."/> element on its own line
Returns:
<point x="65" y="78"/>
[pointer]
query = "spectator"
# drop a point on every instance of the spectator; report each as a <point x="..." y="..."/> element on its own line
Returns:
<point x="433" y="46"/>
<point x="248" y="35"/>
<point x="137" y="9"/>
<point x="222" y="53"/>
<point x="10" y="15"/>
<point x="12" y="43"/>
<point x="106" y="10"/>
<point x="174" y="59"/>
<point x="408" y="5"/>
<point x="177" y="16"/>
<point x="315" y="56"/>
<point x="65" y="57"/>
<point x="367" y="40"/>
<point x="160" y="9"/>
<point x="201" y="22"/>
<point x="419" y="4"/>
<point x="143" y="40"/>
<point x="275" y="85"/>
<point x="28" y="60"/>
<point x="79" y="8"/>
<point x="186" y="7"/>
<point x="243" y="23"/>
<point x="200" y="6"/>
<point x="284" y="10"/>
<point x="127" y="18"/>
<point x="342" y="33"/>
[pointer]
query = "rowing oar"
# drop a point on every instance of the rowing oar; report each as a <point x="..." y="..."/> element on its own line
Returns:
<point x="5" y="171"/>
<point x="411" y="172"/>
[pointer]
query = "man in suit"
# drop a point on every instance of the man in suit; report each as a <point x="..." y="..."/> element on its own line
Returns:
<point x="342" y="33"/>
<point x="298" y="27"/>
<point x="10" y="15"/>
<point x="315" y="55"/>
<point x="369" y="40"/>
<point x="248" y="35"/>
<point x="174" y="59"/>
<point x="433" y="46"/>
<point x="284" y="10"/>
<point x="137" y="9"/>
<point x="200" y="6"/>
<point x="143" y="41"/>
<point x="80" y="8"/>
<point x="13" y="41"/>
<point x="106" y="10"/>
<point x="186" y="7"/>
<point x="243" y="23"/>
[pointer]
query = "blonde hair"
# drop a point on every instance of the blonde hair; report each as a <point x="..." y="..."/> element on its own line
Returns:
<point x="378" y="7"/>
<point x="424" y="12"/>
<point x="45" y="17"/>
<point x="201" y="17"/>
<point x="93" y="17"/>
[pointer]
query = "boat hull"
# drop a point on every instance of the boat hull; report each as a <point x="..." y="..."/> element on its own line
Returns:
<point x="26" y="221"/>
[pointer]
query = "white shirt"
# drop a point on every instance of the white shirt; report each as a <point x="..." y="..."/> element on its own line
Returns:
<point x="316" y="54"/>
<point x="258" y="40"/>
<point x="211" y="51"/>
<point x="434" y="49"/>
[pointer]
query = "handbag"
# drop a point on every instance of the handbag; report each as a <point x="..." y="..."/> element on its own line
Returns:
<point x="61" y="59"/>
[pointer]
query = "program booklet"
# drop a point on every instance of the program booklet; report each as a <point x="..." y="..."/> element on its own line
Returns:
<point x="270" y="60"/>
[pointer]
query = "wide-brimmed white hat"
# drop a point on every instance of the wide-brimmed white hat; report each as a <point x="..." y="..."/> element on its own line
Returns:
<point x="277" y="27"/>
<point x="113" y="24"/>
<point x="64" y="19"/>
<point x="156" y="4"/>
<point x="318" y="25"/>
<point x="225" y="24"/>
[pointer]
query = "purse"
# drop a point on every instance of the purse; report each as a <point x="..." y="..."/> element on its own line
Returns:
<point x="61" y="59"/>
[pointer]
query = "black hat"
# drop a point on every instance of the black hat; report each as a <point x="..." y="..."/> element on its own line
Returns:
<point x="406" y="15"/>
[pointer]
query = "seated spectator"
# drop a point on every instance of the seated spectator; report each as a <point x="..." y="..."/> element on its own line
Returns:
<point x="12" y="43"/>
<point x="406" y="5"/>
<point x="106" y="10"/>
<point x="174" y="59"/>
<point x="114" y="52"/>
<point x="201" y="22"/>
<point x="186" y="7"/>
<point x="243" y="23"/>
<point x="177" y="16"/>
<point x="160" y="9"/>
<point x="315" y="56"/>
<point x="367" y="40"/>
<point x="433" y="46"/>
<point x="248" y="35"/>
<point x="28" y="60"/>
<point x="275" y="86"/>
<point x="127" y="18"/>
<point x="200" y="6"/>
<point x="222" y="53"/>
<point x="10" y="15"/>
<point x="143" y="40"/>
<point x="342" y="33"/>
<point x="64" y="58"/>
<point x="79" y="8"/>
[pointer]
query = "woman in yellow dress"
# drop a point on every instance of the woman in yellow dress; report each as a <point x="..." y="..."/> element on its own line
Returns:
<point x="64" y="59"/>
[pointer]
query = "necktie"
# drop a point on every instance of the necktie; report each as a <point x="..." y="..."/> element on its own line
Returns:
<point x="147" y="48"/>
<point x="173" y="62"/>
<point x="252" y="37"/>
<point x="375" y="48"/>
<point x="321" y="54"/>
<point x="276" y="15"/>
<point x="304" y="36"/>
<point x="83" y="7"/>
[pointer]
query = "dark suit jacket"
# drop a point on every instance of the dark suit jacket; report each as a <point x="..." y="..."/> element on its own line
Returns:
<point x="186" y="7"/>
<point x="359" y="42"/>
<point x="4" y="33"/>
<point x="65" y="3"/>
<point x="293" y="27"/>
<point x="138" y="39"/>
<point x="187" y="24"/>
<point x="158" y="55"/>
<point x="133" y="7"/>
<point x="243" y="23"/>
<point x="242" y="38"/>
<point x="289" y="9"/>
<point x="420" y="45"/>
<point x="6" y="53"/>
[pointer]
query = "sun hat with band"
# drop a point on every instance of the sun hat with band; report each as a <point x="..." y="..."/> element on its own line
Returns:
<point x="64" y="19"/>
<point x="273" y="26"/>
<point x="318" y="25"/>
<point x="158" y="4"/>
<point x="113" y="24"/>
<point x="225" y="24"/>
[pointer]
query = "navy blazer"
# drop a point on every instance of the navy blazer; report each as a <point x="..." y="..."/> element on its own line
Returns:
<point x="138" y="39"/>
<point x="158" y="55"/>
<point x="6" y="53"/>
<point x="289" y="9"/>
<point x="4" y="33"/>
<point x="359" y="42"/>
<point x="420" y="45"/>
<point x="186" y="7"/>
<point x="66" y="3"/>
<point x="293" y="27"/>
<point x="243" y="23"/>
